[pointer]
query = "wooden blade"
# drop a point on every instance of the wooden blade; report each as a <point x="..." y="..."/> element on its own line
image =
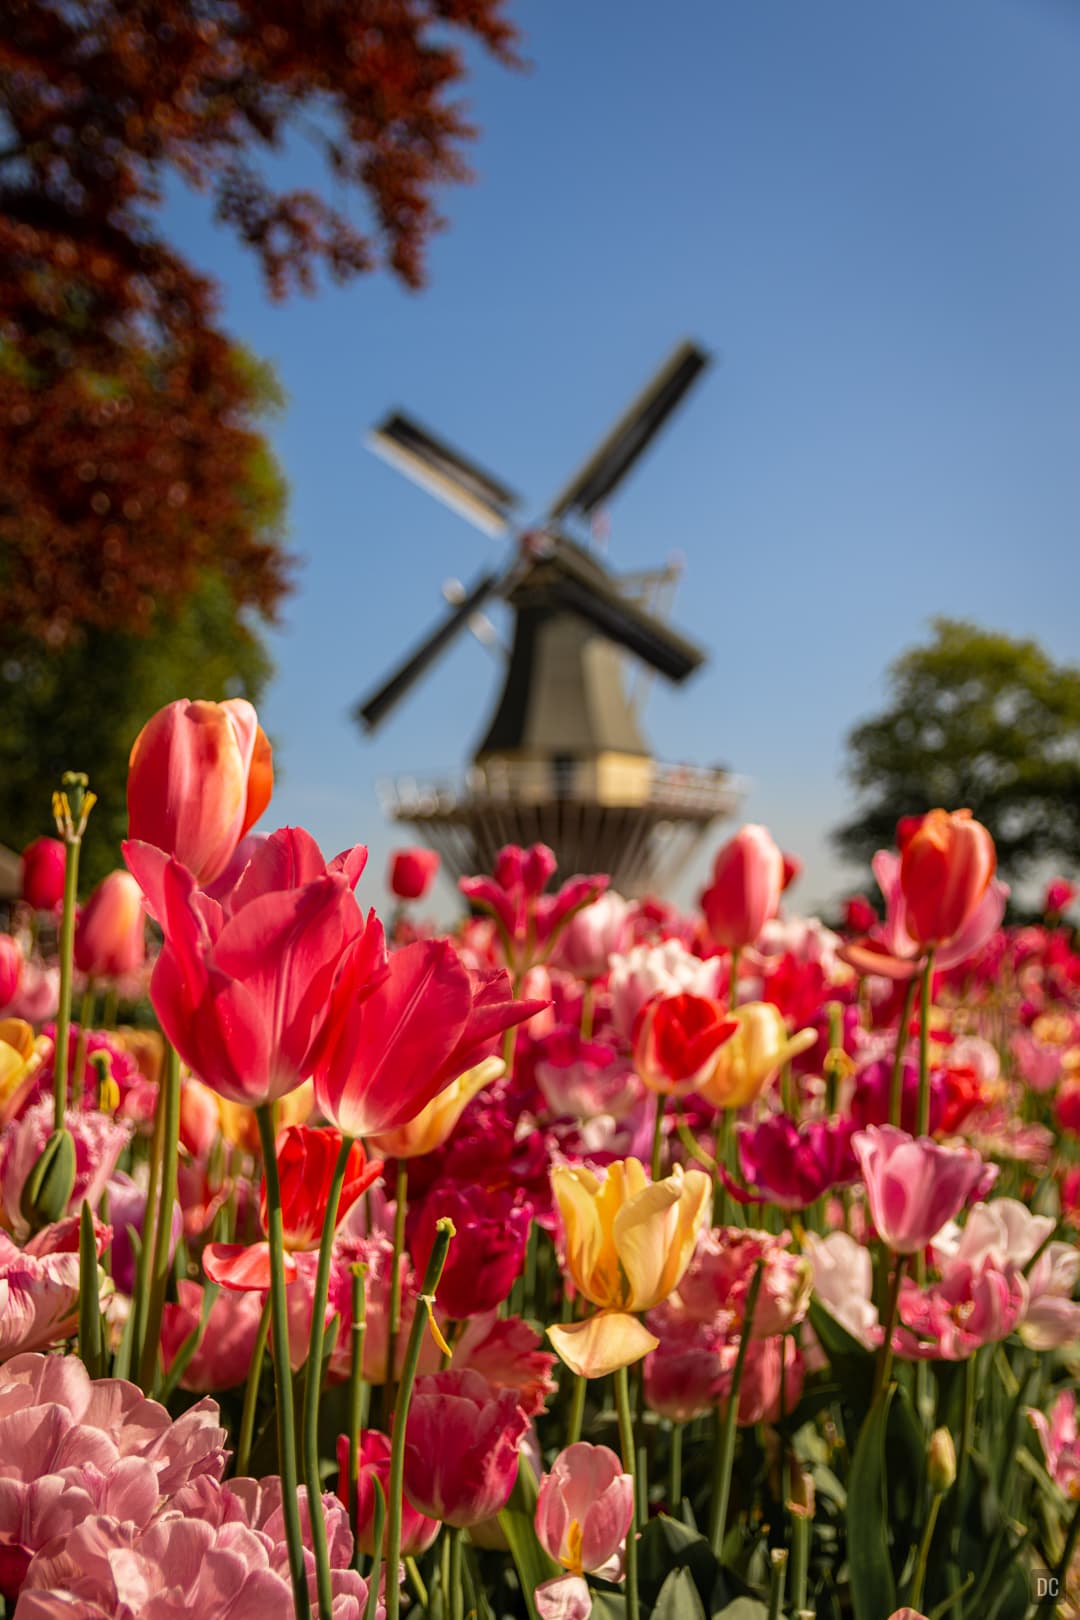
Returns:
<point x="445" y="472"/>
<point x="632" y="433"/>
<point x="375" y="708"/>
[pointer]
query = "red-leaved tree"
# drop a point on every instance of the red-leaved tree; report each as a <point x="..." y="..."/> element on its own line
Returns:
<point x="127" y="421"/>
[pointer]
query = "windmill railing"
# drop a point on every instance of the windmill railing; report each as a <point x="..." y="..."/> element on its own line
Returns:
<point x="695" y="791"/>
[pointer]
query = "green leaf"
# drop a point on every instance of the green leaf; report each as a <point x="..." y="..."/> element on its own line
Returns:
<point x="873" y="1589"/>
<point x="666" y="1545"/>
<point x="516" y="1522"/>
<point x="743" y="1608"/>
<point x="678" y="1599"/>
<point x="608" y="1606"/>
<point x="91" y="1344"/>
<point x="905" y="1467"/>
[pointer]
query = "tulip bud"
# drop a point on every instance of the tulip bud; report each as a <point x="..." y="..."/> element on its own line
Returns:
<point x="48" y="1188"/>
<point x="43" y="864"/>
<point x="941" y="1462"/>
<point x="748" y="876"/>
<point x="945" y="870"/>
<point x="412" y="872"/>
<point x="110" y="936"/>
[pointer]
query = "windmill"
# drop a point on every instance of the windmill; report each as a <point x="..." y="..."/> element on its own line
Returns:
<point x="563" y="759"/>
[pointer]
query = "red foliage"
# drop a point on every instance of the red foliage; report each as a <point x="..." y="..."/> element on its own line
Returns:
<point x="126" y="419"/>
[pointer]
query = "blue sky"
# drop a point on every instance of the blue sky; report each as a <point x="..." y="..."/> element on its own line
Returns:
<point x="870" y="212"/>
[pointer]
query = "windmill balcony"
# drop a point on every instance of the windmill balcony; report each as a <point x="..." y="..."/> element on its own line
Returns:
<point x="681" y="791"/>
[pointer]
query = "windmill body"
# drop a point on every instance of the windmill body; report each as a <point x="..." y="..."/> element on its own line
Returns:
<point x="563" y="759"/>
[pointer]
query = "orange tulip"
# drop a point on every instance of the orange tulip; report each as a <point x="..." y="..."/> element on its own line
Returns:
<point x="200" y="775"/>
<point x="945" y="870"/>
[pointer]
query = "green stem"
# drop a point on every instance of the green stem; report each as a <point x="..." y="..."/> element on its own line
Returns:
<point x="629" y="1462"/>
<point x="675" y="1466"/>
<point x="922" y="1127"/>
<point x="279" y="1324"/>
<point x="457" y="1592"/>
<point x="86" y="1015"/>
<point x="146" y="1243"/>
<point x="577" y="1409"/>
<point x="169" y="1100"/>
<point x="63" y="1011"/>
<point x="658" y="1136"/>
<point x="401" y="1205"/>
<point x="313" y="1385"/>
<point x="251" y="1394"/>
<point x="892" y="1308"/>
<point x="915" y="1597"/>
<point x="444" y="1231"/>
<point x="778" y="1558"/>
<point x="896" y="1084"/>
<point x="357" y="1389"/>
<point x="378" y="1526"/>
<point x="725" y="1452"/>
<point x="800" y="1558"/>
<point x="1056" y="1585"/>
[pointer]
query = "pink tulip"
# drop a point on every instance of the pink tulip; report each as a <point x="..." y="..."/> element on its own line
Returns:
<point x="99" y="1141"/>
<point x="200" y="775"/>
<point x="583" y="1510"/>
<point x="224" y="1353"/>
<point x="383" y="1059"/>
<point x="110" y="936"/>
<point x="684" y="1374"/>
<point x="717" y="1281"/>
<point x="772" y="1379"/>
<point x="747" y="880"/>
<point x="951" y="1319"/>
<point x="646" y="971"/>
<point x="461" y="1447"/>
<point x="913" y="1184"/>
<point x="1059" y="896"/>
<point x="39" y="1286"/>
<point x="243" y="989"/>
<point x="412" y="872"/>
<point x="507" y="1352"/>
<point x="844" y="1284"/>
<point x="1061" y="1442"/>
<point x="417" y="1531"/>
<point x="44" y="863"/>
<point x="11" y="966"/>
<point x="594" y="935"/>
<point x="893" y="952"/>
<point x="566" y="1597"/>
<point x="580" y="1078"/>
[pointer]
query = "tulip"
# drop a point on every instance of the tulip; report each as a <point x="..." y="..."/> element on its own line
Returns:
<point x="792" y="871"/>
<point x="412" y="872"/>
<point x="859" y="915"/>
<point x="958" y="1315"/>
<point x="945" y="871"/>
<point x="417" y="1531"/>
<point x="200" y="775"/>
<point x="21" y="1057"/>
<point x="127" y="1213"/>
<point x="594" y="935"/>
<point x="110" y="935"/>
<point x="385" y="1058"/>
<point x="677" y="1039"/>
<point x="718" y="1279"/>
<point x="11" y="966"/>
<point x="844" y="1284"/>
<point x="747" y="880"/>
<point x="646" y="971"/>
<point x="894" y="952"/>
<point x="753" y="1057"/>
<point x="243" y="991"/>
<point x="507" y="1352"/>
<point x="526" y="918"/>
<point x="583" y="1510"/>
<point x="429" y="1129"/>
<point x="1061" y="1442"/>
<point x="628" y="1242"/>
<point x="914" y="1185"/>
<point x="794" y="1165"/>
<point x="1059" y="895"/>
<point x="491" y="1230"/>
<point x="461" y="1447"/>
<point x="43" y="866"/>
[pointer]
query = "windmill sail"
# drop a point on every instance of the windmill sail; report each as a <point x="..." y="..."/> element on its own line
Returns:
<point x="378" y="705"/>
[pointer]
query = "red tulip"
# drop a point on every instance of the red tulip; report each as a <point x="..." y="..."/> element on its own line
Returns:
<point x="945" y="871"/>
<point x="792" y="871"/>
<point x="1060" y="894"/>
<point x="110" y="936"/>
<point x="200" y="775"/>
<point x="859" y="914"/>
<point x="491" y="1230"/>
<point x="306" y="1158"/>
<point x="382" y="1060"/>
<point x="676" y="1039"/>
<point x="243" y="990"/>
<point x="412" y="872"/>
<point x="461" y="1447"/>
<point x="748" y="876"/>
<point x="43" y="864"/>
<point x="417" y="1531"/>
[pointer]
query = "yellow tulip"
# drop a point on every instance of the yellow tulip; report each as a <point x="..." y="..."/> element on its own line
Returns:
<point x="21" y="1056"/>
<point x="240" y="1127"/>
<point x="753" y="1056"/>
<point x="628" y="1242"/>
<point x="434" y="1123"/>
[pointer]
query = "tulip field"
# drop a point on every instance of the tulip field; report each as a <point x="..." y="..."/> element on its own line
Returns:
<point x="591" y="1258"/>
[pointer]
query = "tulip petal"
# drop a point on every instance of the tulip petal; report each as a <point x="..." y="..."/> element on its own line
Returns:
<point x="242" y="1266"/>
<point x="642" y="1233"/>
<point x="601" y="1344"/>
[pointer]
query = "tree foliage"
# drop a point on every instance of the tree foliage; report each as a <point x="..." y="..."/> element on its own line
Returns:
<point x="127" y="422"/>
<point x="81" y="706"/>
<point x="980" y="719"/>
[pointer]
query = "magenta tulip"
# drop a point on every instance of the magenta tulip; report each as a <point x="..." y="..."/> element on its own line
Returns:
<point x="461" y="1447"/>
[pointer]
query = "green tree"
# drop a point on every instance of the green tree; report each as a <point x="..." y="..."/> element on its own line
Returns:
<point x="979" y="719"/>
